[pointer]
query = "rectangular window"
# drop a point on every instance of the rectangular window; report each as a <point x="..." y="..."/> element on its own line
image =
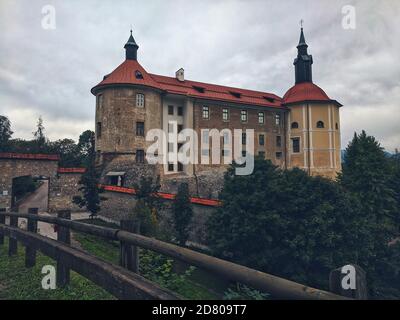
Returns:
<point x="225" y="114"/>
<point x="244" y="138"/>
<point x="100" y="101"/>
<point x="244" y="153"/>
<point x="170" y="147"/>
<point x="98" y="130"/>
<point x="139" y="156"/>
<point x="277" y="119"/>
<point x="170" y="167"/>
<point x="296" y="145"/>
<point x="261" y="117"/>
<point x="180" y="167"/>
<point x="180" y="127"/>
<point x="278" y="155"/>
<point x="261" y="139"/>
<point x="171" y="110"/>
<point x="206" y="112"/>
<point x="261" y="154"/>
<point x="140" y="129"/>
<point x="140" y="100"/>
<point x="243" y="116"/>
<point x="279" y="141"/>
<point x="170" y="127"/>
<point x="180" y="111"/>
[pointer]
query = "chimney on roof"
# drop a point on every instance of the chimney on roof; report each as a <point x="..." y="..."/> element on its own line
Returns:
<point x="180" y="75"/>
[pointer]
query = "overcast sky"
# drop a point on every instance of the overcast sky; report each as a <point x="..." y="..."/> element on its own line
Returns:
<point x="247" y="44"/>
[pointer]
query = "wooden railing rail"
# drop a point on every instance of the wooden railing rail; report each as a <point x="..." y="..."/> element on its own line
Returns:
<point x="276" y="286"/>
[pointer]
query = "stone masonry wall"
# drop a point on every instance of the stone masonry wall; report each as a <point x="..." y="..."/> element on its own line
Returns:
<point x="63" y="189"/>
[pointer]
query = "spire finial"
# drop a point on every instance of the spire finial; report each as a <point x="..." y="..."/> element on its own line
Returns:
<point x="301" y="23"/>
<point x="131" y="48"/>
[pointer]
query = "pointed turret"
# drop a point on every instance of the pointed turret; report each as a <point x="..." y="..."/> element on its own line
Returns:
<point x="131" y="48"/>
<point x="303" y="62"/>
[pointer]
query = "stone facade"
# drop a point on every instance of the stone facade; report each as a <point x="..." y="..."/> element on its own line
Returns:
<point x="64" y="187"/>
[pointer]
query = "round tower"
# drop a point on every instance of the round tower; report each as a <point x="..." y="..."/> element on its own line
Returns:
<point x="128" y="104"/>
<point x="313" y="121"/>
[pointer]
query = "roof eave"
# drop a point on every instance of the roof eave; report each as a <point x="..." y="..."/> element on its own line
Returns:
<point x="335" y="102"/>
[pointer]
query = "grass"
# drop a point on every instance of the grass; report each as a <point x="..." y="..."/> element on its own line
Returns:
<point x="198" y="286"/>
<point x="20" y="283"/>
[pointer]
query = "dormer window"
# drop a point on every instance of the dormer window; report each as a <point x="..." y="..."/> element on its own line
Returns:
<point x="320" y="124"/>
<point x="199" y="89"/>
<point x="295" y="125"/>
<point x="269" y="99"/>
<point x="138" y="75"/>
<point x="235" y="94"/>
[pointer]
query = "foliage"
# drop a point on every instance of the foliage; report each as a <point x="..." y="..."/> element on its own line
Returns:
<point x="182" y="213"/>
<point x="89" y="184"/>
<point x="243" y="292"/>
<point x="282" y="222"/>
<point x="5" y="133"/>
<point x="39" y="137"/>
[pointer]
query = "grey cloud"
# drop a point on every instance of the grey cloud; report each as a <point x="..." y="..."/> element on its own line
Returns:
<point x="248" y="44"/>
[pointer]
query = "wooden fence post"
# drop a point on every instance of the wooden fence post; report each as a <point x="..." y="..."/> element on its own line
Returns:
<point x="129" y="255"/>
<point x="30" y="253"/>
<point x="63" y="235"/>
<point x="336" y="277"/>
<point x="13" y="243"/>
<point x="2" y="221"/>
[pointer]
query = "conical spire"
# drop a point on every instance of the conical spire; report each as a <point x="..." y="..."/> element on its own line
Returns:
<point x="131" y="48"/>
<point x="302" y="40"/>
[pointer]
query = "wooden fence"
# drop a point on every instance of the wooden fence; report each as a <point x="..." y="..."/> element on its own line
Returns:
<point x="123" y="281"/>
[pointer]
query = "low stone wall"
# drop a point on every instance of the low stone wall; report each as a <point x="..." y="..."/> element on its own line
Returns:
<point x="118" y="206"/>
<point x="63" y="188"/>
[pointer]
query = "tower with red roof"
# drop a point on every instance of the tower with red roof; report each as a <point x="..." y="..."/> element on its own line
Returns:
<point x="313" y="123"/>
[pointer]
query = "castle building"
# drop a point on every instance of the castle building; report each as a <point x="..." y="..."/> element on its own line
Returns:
<point x="302" y="129"/>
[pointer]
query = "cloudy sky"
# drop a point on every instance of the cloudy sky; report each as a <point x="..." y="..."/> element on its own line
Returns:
<point x="248" y="44"/>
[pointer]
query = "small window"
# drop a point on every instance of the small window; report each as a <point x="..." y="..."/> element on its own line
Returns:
<point x="269" y="99"/>
<point x="138" y="75"/>
<point x="170" y="147"/>
<point x="140" y="100"/>
<point x="198" y="89"/>
<point x="171" y="110"/>
<point x="100" y="101"/>
<point x="180" y="111"/>
<point x="243" y="116"/>
<point x="170" y="167"/>
<point x="244" y="138"/>
<point x="180" y="167"/>
<point x="278" y="155"/>
<point x="205" y="152"/>
<point x="180" y="127"/>
<point x="225" y="114"/>
<point x="278" y="141"/>
<point x="98" y="131"/>
<point x="235" y="94"/>
<point x="261" y="154"/>
<point x="294" y="125"/>
<point x="116" y="181"/>
<point x="261" y="139"/>
<point x="244" y="153"/>
<point x="277" y="119"/>
<point x="206" y="112"/>
<point x="320" y="124"/>
<point x="139" y="156"/>
<point x="337" y="126"/>
<point x="261" y="117"/>
<point x="140" y="129"/>
<point x="296" y="145"/>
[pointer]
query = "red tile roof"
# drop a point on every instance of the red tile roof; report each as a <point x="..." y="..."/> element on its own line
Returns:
<point x="306" y="91"/>
<point x="29" y="156"/>
<point x="163" y="195"/>
<point x="125" y="74"/>
<point x="71" y="170"/>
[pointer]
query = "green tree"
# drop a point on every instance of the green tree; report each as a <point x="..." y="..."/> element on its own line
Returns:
<point x="182" y="213"/>
<point x="39" y="136"/>
<point x="68" y="152"/>
<point x="367" y="177"/>
<point x="5" y="133"/>
<point x="84" y="145"/>
<point x="283" y="222"/>
<point x="89" y="184"/>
